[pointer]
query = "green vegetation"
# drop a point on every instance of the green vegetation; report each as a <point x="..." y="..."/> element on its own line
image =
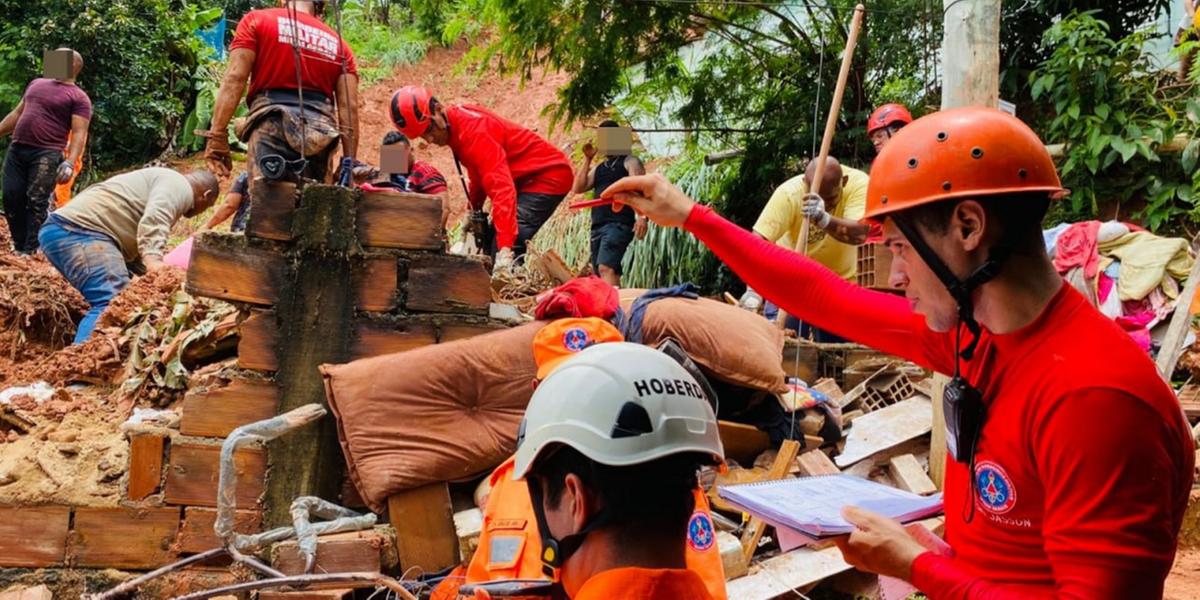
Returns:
<point x="380" y="42"/>
<point x="140" y="56"/>
<point x="670" y="255"/>
<point x="1114" y="108"/>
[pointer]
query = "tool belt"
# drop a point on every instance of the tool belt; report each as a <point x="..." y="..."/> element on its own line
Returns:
<point x="319" y="125"/>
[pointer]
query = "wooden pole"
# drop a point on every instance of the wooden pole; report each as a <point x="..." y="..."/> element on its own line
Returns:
<point x="971" y="53"/>
<point x="970" y="77"/>
<point x="835" y="108"/>
<point x="1168" y="355"/>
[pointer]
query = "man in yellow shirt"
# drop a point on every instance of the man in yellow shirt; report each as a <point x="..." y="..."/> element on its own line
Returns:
<point x="834" y="231"/>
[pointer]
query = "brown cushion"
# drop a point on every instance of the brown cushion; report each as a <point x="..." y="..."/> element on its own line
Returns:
<point x="437" y="413"/>
<point x="733" y="344"/>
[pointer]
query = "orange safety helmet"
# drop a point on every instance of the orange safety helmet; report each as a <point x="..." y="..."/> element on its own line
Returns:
<point x="959" y="153"/>
<point x="886" y="116"/>
<point x="410" y="110"/>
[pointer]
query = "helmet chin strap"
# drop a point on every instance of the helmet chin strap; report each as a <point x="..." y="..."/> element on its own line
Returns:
<point x="960" y="289"/>
<point x="555" y="552"/>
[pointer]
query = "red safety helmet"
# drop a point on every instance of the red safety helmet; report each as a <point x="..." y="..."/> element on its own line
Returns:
<point x="410" y="110"/>
<point x="886" y="116"/>
<point x="959" y="153"/>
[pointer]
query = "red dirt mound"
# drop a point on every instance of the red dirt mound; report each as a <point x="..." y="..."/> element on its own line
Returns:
<point x="506" y="96"/>
<point x="148" y="290"/>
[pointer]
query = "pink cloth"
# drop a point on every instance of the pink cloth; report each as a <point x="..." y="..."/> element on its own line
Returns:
<point x="1104" y="286"/>
<point x="181" y="256"/>
<point x="1076" y="247"/>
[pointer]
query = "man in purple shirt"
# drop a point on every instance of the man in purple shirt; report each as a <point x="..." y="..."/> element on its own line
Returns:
<point x="49" y="111"/>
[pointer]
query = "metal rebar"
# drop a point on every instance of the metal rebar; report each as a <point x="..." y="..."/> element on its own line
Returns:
<point x="133" y="584"/>
<point x="350" y="579"/>
<point x="254" y="563"/>
<point x="265" y="430"/>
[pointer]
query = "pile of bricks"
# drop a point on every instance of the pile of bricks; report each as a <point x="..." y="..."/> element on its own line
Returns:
<point x="406" y="292"/>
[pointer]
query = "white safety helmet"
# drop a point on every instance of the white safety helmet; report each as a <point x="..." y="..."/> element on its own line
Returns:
<point x="618" y="404"/>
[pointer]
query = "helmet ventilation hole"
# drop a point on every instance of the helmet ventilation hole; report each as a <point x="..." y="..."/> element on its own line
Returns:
<point x="946" y="185"/>
<point x="912" y="163"/>
<point x="977" y="152"/>
<point x="942" y="136"/>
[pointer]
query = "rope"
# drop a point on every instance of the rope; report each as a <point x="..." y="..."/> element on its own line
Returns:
<point x="337" y="9"/>
<point x="293" y="14"/>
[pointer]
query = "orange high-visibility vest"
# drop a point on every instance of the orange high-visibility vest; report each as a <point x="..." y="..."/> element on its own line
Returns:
<point x="510" y="545"/>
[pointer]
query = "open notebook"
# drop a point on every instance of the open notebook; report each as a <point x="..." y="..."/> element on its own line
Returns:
<point x="813" y="505"/>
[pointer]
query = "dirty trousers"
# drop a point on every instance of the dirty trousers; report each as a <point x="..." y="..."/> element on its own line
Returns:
<point x="91" y="262"/>
<point x="29" y="177"/>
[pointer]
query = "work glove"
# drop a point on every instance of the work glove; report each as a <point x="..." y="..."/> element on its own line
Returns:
<point x="814" y="209"/>
<point x="750" y="301"/>
<point x="504" y="261"/>
<point x="217" y="153"/>
<point x="64" y="173"/>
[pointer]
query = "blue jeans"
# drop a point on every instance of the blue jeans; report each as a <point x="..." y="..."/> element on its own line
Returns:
<point x="90" y="261"/>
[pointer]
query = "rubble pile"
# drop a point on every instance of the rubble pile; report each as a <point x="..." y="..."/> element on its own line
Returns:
<point x="38" y="308"/>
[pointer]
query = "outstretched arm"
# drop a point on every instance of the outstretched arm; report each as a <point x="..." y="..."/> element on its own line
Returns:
<point x="801" y="286"/>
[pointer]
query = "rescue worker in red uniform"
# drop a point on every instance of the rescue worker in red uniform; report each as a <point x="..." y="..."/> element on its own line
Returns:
<point x="1042" y="500"/>
<point x="610" y="446"/>
<point x="294" y="122"/>
<point x="525" y="176"/>
<point x="885" y="122"/>
<point x="509" y="544"/>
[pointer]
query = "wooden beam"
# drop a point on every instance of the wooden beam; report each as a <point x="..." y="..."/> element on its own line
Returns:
<point x="196" y="533"/>
<point x="124" y="538"/>
<point x="1172" y="346"/>
<point x="145" y="464"/>
<point x="448" y="284"/>
<point x="33" y="536"/>
<point x="556" y="267"/>
<point x="193" y="469"/>
<point x="258" y="338"/>
<point x="315" y="319"/>
<point x="1175" y="144"/>
<point x="424" y="524"/>
<point x="886" y="428"/>
<point x="216" y="412"/>
<point x="228" y="267"/>
<point x="779" y="469"/>
<point x="742" y="443"/>
<point x="1189" y="399"/>
<point x="400" y="220"/>
<point x="816" y="462"/>
<point x="781" y="576"/>
<point x="272" y="205"/>
<point x="937" y="437"/>
<point x="909" y="476"/>
<point x="376" y="337"/>
<point x="377" y="283"/>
